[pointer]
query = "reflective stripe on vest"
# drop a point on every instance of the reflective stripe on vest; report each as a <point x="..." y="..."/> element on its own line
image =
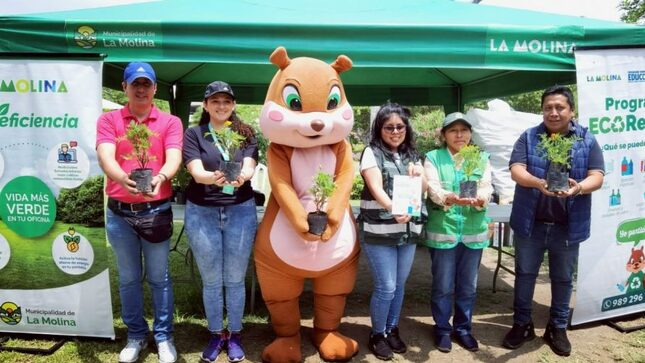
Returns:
<point x="448" y="238"/>
<point x="392" y="228"/>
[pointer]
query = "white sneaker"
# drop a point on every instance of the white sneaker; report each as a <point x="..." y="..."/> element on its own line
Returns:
<point x="130" y="353"/>
<point x="167" y="351"/>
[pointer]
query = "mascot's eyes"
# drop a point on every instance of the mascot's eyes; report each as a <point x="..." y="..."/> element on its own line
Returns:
<point x="334" y="98"/>
<point x="292" y="98"/>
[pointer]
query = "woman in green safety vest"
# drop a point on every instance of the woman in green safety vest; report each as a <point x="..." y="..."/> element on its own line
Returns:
<point x="456" y="232"/>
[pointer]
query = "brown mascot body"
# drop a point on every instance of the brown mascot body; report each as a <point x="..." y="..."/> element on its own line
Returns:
<point x="307" y="119"/>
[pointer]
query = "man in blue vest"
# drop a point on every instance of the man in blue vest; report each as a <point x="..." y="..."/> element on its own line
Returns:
<point x="547" y="221"/>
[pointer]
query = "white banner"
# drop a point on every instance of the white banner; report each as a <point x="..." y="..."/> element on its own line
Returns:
<point x="611" y="269"/>
<point x="53" y="267"/>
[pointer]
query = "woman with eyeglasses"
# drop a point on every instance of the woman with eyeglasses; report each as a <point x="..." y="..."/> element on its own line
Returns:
<point x="388" y="241"/>
<point x="457" y="232"/>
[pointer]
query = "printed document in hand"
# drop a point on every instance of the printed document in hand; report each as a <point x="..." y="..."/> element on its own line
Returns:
<point x="406" y="196"/>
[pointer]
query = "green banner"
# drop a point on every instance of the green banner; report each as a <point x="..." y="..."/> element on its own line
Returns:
<point x="118" y="40"/>
<point x="53" y="253"/>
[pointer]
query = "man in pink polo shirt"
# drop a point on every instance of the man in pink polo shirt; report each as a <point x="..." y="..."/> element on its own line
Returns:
<point x="137" y="222"/>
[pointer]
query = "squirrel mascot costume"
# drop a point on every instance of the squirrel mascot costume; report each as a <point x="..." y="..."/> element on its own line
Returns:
<point x="307" y="118"/>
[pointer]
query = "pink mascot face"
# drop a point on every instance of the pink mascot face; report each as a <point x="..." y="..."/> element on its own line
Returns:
<point x="306" y="104"/>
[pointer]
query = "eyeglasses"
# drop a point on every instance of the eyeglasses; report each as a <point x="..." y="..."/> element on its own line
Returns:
<point x="390" y="128"/>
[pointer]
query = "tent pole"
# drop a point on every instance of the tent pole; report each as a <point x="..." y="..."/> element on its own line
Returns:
<point x="173" y="99"/>
<point x="179" y="108"/>
<point x="456" y="101"/>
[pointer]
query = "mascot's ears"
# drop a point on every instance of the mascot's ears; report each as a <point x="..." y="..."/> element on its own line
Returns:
<point x="342" y="64"/>
<point x="280" y="58"/>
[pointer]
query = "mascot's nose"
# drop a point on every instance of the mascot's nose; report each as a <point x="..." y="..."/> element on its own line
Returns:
<point x="317" y="125"/>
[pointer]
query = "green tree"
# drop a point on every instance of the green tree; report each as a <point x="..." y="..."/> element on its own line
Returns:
<point x="263" y="144"/>
<point x="524" y="102"/>
<point x="357" y="187"/>
<point x="194" y="118"/>
<point x="360" y="134"/>
<point x="633" y="11"/>
<point x="425" y="120"/>
<point x="115" y="96"/>
<point x="250" y="114"/>
<point x="426" y="123"/>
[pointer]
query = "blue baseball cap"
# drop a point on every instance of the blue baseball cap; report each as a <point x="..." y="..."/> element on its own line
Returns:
<point x="136" y="70"/>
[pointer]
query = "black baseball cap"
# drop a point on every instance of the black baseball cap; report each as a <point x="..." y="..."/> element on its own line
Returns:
<point x="218" y="87"/>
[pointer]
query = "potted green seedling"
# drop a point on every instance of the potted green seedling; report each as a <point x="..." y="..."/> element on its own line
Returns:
<point x="180" y="183"/>
<point x="556" y="148"/>
<point x="138" y="134"/>
<point x="469" y="161"/>
<point x="230" y="141"/>
<point x="322" y="188"/>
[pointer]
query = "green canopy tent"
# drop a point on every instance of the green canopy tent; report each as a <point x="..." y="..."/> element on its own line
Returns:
<point x="432" y="52"/>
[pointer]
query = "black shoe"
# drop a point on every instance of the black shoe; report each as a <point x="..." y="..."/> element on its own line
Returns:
<point x="379" y="346"/>
<point x="557" y="340"/>
<point x="468" y="342"/>
<point x="518" y="335"/>
<point x="395" y="342"/>
<point x="443" y="343"/>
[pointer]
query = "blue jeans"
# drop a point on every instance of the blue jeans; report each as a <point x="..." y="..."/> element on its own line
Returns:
<point x="128" y="247"/>
<point x="390" y="267"/>
<point x="563" y="257"/>
<point x="454" y="277"/>
<point x="222" y="239"/>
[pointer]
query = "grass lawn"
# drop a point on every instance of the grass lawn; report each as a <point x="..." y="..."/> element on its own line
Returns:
<point x="493" y="313"/>
<point x="189" y="312"/>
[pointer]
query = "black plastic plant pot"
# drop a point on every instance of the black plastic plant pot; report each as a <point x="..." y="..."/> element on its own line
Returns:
<point x="231" y="170"/>
<point x="557" y="178"/>
<point x="317" y="222"/>
<point x="468" y="189"/>
<point x="180" y="197"/>
<point x="143" y="178"/>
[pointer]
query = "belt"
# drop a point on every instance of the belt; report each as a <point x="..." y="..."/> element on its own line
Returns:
<point x="134" y="207"/>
